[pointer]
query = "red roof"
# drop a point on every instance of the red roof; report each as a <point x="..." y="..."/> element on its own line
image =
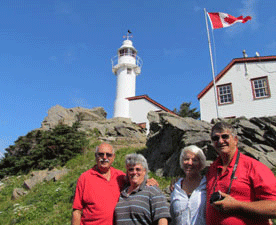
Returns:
<point x="152" y="101"/>
<point x="228" y="67"/>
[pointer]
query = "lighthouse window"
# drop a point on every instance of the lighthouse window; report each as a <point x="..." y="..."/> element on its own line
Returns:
<point x="129" y="70"/>
<point x="127" y="51"/>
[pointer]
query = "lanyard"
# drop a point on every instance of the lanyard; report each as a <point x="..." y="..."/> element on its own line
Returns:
<point x="232" y="175"/>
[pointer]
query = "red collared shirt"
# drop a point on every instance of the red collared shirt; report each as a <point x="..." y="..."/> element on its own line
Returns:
<point x="253" y="181"/>
<point x="97" y="197"/>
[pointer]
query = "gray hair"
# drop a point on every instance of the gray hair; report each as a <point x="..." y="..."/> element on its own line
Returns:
<point x="222" y="126"/>
<point x="134" y="159"/>
<point x="197" y="151"/>
<point x="98" y="147"/>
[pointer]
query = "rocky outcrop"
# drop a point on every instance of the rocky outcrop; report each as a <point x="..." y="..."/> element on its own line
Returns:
<point x="59" y="114"/>
<point x="95" y="120"/>
<point x="38" y="177"/>
<point x="43" y="175"/>
<point x="169" y="134"/>
<point x="18" y="192"/>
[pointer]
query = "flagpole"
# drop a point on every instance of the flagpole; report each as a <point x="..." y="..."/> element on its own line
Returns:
<point x="212" y="64"/>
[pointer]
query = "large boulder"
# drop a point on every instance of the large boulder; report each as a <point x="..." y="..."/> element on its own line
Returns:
<point x="59" y="114"/>
<point x="95" y="120"/>
<point x="170" y="133"/>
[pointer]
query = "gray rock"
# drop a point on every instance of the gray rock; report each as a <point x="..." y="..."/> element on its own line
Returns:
<point x="36" y="177"/>
<point x="55" y="174"/>
<point x="44" y="175"/>
<point x="169" y="134"/>
<point x="59" y="114"/>
<point x="94" y="122"/>
<point x="18" y="192"/>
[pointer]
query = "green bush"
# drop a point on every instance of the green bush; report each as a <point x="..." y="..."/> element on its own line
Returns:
<point x="43" y="149"/>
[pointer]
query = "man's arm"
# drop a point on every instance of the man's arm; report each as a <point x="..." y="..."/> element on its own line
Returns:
<point x="265" y="208"/>
<point x="152" y="182"/>
<point x="163" y="221"/>
<point x="76" y="217"/>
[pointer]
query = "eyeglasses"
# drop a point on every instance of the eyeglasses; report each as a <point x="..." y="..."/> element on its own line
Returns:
<point x="101" y="154"/>
<point x="133" y="169"/>
<point x="223" y="136"/>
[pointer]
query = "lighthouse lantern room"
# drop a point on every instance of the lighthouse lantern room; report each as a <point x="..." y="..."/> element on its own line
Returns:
<point x="126" y="65"/>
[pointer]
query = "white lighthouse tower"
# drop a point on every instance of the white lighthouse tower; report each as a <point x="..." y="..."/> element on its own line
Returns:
<point x="126" y="65"/>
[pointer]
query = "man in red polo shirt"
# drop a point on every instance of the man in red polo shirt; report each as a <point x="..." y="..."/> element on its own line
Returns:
<point x="98" y="190"/>
<point x="251" y="198"/>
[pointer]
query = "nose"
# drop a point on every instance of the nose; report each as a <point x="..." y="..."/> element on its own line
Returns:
<point x="220" y="140"/>
<point x="190" y="161"/>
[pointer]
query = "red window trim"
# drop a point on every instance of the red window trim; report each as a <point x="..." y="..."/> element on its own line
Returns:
<point x="227" y="103"/>
<point x="253" y="90"/>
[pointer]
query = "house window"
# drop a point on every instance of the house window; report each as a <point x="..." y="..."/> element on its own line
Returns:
<point x="129" y="70"/>
<point x="260" y="88"/>
<point x="225" y="95"/>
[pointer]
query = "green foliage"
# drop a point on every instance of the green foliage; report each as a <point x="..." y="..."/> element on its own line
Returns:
<point x="185" y="111"/>
<point x="43" y="149"/>
<point x="50" y="203"/>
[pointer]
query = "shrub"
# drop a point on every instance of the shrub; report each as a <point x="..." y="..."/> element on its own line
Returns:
<point x="43" y="149"/>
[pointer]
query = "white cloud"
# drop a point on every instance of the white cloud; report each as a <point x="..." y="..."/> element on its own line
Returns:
<point x="271" y="46"/>
<point x="197" y="8"/>
<point x="249" y="9"/>
<point x="63" y="7"/>
<point x="79" y="101"/>
<point x="53" y="58"/>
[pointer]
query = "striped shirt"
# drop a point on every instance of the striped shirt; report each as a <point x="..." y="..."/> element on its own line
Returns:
<point x="143" y="206"/>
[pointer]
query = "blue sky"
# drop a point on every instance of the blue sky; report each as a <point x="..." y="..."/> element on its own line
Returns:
<point x="58" y="52"/>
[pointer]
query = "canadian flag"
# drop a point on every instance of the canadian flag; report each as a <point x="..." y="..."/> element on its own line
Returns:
<point x="221" y="20"/>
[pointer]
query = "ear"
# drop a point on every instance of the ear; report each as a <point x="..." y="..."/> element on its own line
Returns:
<point x="236" y="139"/>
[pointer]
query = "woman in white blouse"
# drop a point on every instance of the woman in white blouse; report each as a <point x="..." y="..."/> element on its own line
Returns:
<point x="188" y="198"/>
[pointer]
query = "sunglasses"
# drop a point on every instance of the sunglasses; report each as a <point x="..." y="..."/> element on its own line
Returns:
<point x="133" y="169"/>
<point x="101" y="154"/>
<point x="223" y="136"/>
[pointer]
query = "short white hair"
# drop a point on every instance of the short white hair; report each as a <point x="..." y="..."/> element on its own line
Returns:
<point x="98" y="148"/>
<point x="134" y="159"/>
<point x="197" y="151"/>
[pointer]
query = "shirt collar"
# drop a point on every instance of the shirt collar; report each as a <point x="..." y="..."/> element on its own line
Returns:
<point x="94" y="171"/>
<point x="218" y="161"/>
<point x="140" y="188"/>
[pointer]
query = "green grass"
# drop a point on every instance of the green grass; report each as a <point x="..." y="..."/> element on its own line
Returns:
<point x="49" y="203"/>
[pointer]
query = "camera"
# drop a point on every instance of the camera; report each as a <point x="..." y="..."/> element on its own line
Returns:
<point x="216" y="196"/>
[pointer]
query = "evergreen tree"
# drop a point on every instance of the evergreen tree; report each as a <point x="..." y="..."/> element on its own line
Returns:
<point x="186" y="111"/>
<point x="43" y="149"/>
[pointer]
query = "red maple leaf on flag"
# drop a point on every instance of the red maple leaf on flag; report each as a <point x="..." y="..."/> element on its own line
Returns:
<point x="220" y="20"/>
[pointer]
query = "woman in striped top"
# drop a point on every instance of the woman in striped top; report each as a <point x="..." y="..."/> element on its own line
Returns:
<point x="138" y="203"/>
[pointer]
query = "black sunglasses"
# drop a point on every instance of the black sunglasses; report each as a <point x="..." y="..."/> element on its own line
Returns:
<point x="101" y="154"/>
<point x="223" y="136"/>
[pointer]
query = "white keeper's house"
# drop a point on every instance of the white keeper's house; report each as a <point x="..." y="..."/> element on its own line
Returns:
<point x="126" y="65"/>
<point x="245" y="87"/>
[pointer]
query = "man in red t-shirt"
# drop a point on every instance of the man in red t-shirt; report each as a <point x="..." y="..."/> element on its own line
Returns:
<point x="252" y="197"/>
<point x="98" y="190"/>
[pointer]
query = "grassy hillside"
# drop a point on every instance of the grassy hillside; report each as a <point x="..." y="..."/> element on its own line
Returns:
<point x="50" y="202"/>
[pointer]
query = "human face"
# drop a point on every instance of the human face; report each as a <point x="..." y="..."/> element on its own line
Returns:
<point x="191" y="164"/>
<point x="104" y="157"/>
<point x="136" y="175"/>
<point x="224" y="142"/>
